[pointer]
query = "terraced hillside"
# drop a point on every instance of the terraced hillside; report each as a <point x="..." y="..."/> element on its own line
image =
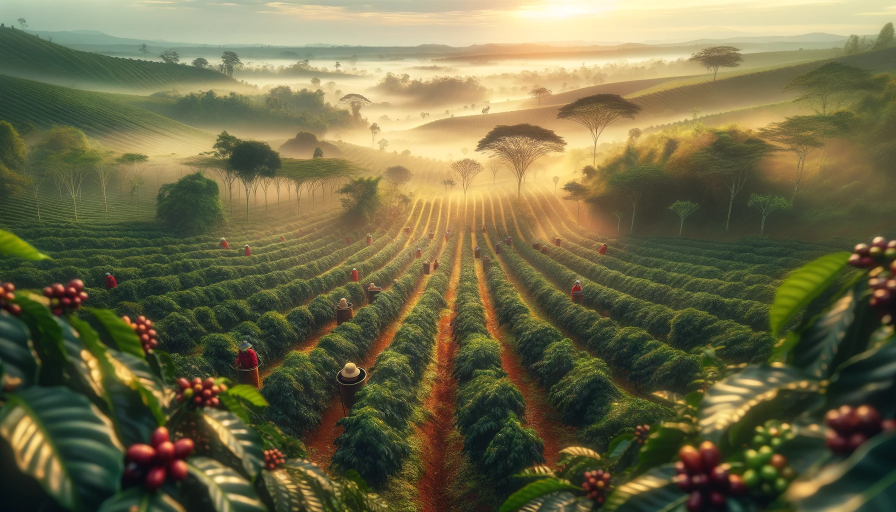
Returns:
<point x="27" y="56"/>
<point x="667" y="104"/>
<point x="101" y="116"/>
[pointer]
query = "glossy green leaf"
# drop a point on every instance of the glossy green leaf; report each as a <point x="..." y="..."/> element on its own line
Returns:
<point x="818" y="344"/>
<point x="20" y="362"/>
<point x="803" y="286"/>
<point x="355" y="477"/>
<point x="12" y="246"/>
<point x="46" y="335"/>
<point x="163" y="366"/>
<point x="138" y="499"/>
<point x="535" y="473"/>
<point x="60" y="439"/>
<point x="867" y="379"/>
<point x="122" y="334"/>
<point x="248" y="393"/>
<point x="619" y="445"/>
<point x="559" y="502"/>
<point x="227" y="490"/>
<point x="651" y="492"/>
<point x="235" y="406"/>
<point x="866" y="481"/>
<point x="580" y="451"/>
<point x="231" y="434"/>
<point x="314" y="485"/>
<point x="273" y="438"/>
<point x="284" y="490"/>
<point x="731" y="407"/>
<point x="662" y="445"/>
<point x="536" y="490"/>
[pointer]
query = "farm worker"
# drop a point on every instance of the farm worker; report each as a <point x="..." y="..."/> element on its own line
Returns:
<point x="354" y="277"/>
<point x="602" y="250"/>
<point x="347" y="241"/>
<point x="248" y="251"/>
<point x="435" y="264"/>
<point x="301" y="232"/>
<point x="447" y="234"/>
<point x="110" y="281"/>
<point x="258" y="237"/>
<point x="350" y="373"/>
<point x="246" y="359"/>
<point x="343" y="304"/>
<point x="282" y="238"/>
<point x="577" y="287"/>
<point x="224" y="244"/>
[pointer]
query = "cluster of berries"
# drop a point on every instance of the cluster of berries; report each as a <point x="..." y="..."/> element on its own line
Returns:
<point x="850" y="427"/>
<point x="878" y="253"/>
<point x="772" y="434"/>
<point x="7" y="294"/>
<point x="642" y="432"/>
<point x="597" y="485"/>
<point x="65" y="297"/>
<point x="881" y="257"/>
<point x="768" y="474"/>
<point x="273" y="459"/>
<point x="153" y="464"/>
<point x="144" y="329"/>
<point x="700" y="473"/>
<point x="201" y="393"/>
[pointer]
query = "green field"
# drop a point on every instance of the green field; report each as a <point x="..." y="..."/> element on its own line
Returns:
<point x="27" y="56"/>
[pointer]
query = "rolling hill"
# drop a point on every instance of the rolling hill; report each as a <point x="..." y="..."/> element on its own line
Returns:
<point x="666" y="104"/>
<point x="103" y="117"/>
<point x="27" y="56"/>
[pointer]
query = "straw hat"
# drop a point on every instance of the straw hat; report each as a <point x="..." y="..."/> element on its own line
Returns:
<point x="350" y="371"/>
<point x="343" y="303"/>
<point x="245" y="346"/>
<point x="108" y="274"/>
<point x="372" y="285"/>
<point x="247" y="245"/>
<point x="222" y="238"/>
<point x="577" y="281"/>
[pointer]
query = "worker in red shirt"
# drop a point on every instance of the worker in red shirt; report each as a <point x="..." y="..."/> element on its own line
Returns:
<point x="247" y="365"/>
<point x="348" y="241"/>
<point x="247" y="251"/>
<point x="435" y="263"/>
<point x="110" y="281"/>
<point x="282" y="238"/>
<point x="224" y="244"/>
<point x="577" y="287"/>
<point x="354" y="276"/>
<point x="602" y="250"/>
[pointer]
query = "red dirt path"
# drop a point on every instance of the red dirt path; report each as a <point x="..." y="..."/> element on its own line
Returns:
<point x="441" y="458"/>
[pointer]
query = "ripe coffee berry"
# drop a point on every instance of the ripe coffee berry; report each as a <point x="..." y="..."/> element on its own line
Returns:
<point x="701" y="473"/>
<point x="851" y="427"/>
<point x="597" y="485"/>
<point x="63" y="298"/>
<point x="198" y="392"/>
<point x="642" y="432"/>
<point x="161" y="460"/>
<point x="7" y="294"/>
<point x="273" y="459"/>
<point x="145" y="331"/>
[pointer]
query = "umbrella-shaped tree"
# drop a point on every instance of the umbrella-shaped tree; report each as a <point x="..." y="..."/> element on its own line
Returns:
<point x="597" y="112"/>
<point x="519" y="146"/>
<point x="252" y="160"/>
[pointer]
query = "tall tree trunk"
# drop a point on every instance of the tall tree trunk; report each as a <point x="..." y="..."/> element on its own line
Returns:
<point x="762" y="227"/>
<point x="37" y="204"/>
<point x="247" y="203"/>
<point x="681" y="228"/>
<point x="75" y="203"/>
<point x="730" y="205"/>
<point x="634" y="209"/>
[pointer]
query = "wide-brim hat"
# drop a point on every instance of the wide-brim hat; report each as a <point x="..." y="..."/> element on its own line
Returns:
<point x="350" y="371"/>
<point x="108" y="274"/>
<point x="578" y="282"/>
<point x="245" y="345"/>
<point x="247" y="245"/>
<point x="222" y="238"/>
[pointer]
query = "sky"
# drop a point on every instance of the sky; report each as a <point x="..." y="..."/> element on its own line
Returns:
<point x="453" y="22"/>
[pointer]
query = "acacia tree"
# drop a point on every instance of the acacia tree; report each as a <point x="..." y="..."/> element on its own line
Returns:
<point x="576" y="192"/>
<point x="800" y="135"/>
<point x="732" y="157"/>
<point x="555" y="179"/>
<point x="144" y="50"/>
<point x="539" y="92"/>
<point x="374" y="131"/>
<point x="252" y="160"/>
<point x="170" y="57"/>
<point x="766" y="204"/>
<point x="200" y="63"/>
<point x="398" y="175"/>
<point x="494" y="166"/>
<point x="597" y="112"/>
<point x="717" y="57"/>
<point x="830" y="87"/>
<point x="229" y="62"/>
<point x="618" y="216"/>
<point x="355" y="102"/>
<point x="36" y="175"/>
<point x="466" y="171"/>
<point x="519" y="146"/>
<point x="448" y="183"/>
<point x="684" y="209"/>
<point x="105" y="171"/>
<point x="635" y="181"/>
